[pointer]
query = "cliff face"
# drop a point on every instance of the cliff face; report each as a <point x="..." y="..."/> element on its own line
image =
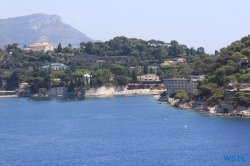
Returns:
<point x="39" y="28"/>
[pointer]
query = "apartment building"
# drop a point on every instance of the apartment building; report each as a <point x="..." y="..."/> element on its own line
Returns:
<point x="188" y="84"/>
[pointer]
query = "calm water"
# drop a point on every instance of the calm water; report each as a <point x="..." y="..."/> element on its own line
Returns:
<point x="116" y="131"/>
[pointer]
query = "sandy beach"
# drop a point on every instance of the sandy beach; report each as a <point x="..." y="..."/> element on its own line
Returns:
<point x="139" y="91"/>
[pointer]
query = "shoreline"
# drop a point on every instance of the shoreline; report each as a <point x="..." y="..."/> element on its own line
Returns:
<point x="208" y="111"/>
<point x="125" y="92"/>
<point x="204" y="112"/>
<point x="157" y="97"/>
<point x="9" y="96"/>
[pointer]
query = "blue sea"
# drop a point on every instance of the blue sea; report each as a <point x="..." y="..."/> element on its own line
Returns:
<point x="127" y="130"/>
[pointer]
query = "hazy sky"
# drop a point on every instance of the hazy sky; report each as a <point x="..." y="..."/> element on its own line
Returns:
<point x="212" y="24"/>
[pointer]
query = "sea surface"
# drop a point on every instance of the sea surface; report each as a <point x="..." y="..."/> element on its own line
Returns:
<point x="127" y="130"/>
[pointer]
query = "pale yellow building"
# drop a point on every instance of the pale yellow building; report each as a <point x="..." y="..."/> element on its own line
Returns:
<point x="169" y="62"/>
<point x="148" y="78"/>
<point x="41" y="47"/>
<point x="181" y="60"/>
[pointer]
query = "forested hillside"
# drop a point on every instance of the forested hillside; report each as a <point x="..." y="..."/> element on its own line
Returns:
<point x="229" y="65"/>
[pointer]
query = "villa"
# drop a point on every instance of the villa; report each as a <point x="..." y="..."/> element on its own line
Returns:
<point x="40" y="47"/>
<point x="55" y="66"/>
<point x="174" y="61"/>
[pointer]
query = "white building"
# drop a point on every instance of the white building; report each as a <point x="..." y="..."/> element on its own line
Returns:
<point x="188" y="84"/>
<point x="40" y="47"/>
<point x="86" y="78"/>
<point x="55" y="66"/>
<point x="154" y="66"/>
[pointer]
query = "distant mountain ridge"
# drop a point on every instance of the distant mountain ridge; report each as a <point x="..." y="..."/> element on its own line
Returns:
<point x="39" y="28"/>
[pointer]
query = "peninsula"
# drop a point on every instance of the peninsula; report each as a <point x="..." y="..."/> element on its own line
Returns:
<point x="130" y="65"/>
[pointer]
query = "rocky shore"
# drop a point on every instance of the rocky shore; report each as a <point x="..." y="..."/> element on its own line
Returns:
<point x="216" y="110"/>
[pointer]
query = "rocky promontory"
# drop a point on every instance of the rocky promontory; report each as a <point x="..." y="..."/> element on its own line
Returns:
<point x="217" y="110"/>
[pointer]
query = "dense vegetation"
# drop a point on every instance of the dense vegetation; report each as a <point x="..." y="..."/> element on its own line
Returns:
<point x="17" y="66"/>
<point x="229" y="66"/>
<point x="226" y="66"/>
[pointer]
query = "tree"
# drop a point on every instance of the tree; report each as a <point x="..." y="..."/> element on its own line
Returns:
<point x="101" y="80"/>
<point x="59" y="48"/>
<point x="121" y="80"/>
<point x="159" y="72"/>
<point x="135" y="53"/>
<point x="62" y="75"/>
<point x="134" y="76"/>
<point x="182" y="95"/>
<point x="220" y="73"/>
<point x="217" y="97"/>
<point x="14" y="79"/>
<point x="230" y="79"/>
<point x="160" y="59"/>
<point x="192" y="51"/>
<point x="174" y="43"/>
<point x="145" y="69"/>
<point x="231" y="63"/>
<point x="200" y="50"/>
<point x="1" y="83"/>
<point x="89" y="47"/>
<point x="246" y="51"/>
<point x="245" y="77"/>
<point x="206" y="90"/>
<point x="173" y="49"/>
<point x="82" y="46"/>
<point x="7" y="48"/>
<point x="118" y="70"/>
<point x="38" y="81"/>
<point x="42" y="91"/>
<point x="216" y="52"/>
<point x="71" y="86"/>
<point x="185" y="70"/>
<point x="237" y="56"/>
<point x="151" y="70"/>
<point x="240" y="98"/>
